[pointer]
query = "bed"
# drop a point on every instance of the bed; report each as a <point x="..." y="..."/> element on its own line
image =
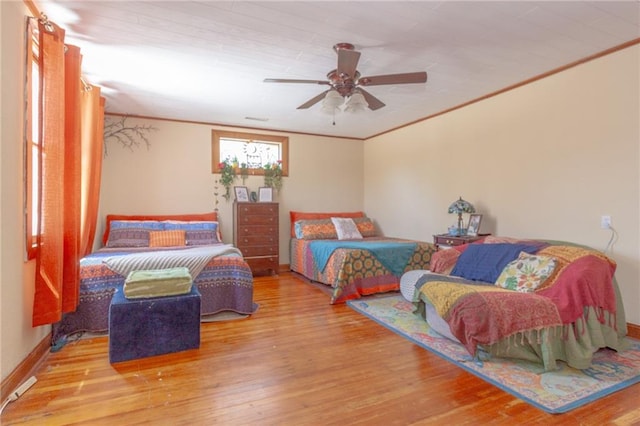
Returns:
<point x="219" y="272"/>
<point x="536" y="300"/>
<point x="351" y="267"/>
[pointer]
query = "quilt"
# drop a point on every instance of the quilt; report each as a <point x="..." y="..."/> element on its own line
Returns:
<point x="353" y="272"/>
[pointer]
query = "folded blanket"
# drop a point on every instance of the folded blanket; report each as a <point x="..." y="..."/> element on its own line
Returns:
<point x="194" y="259"/>
<point x="157" y="283"/>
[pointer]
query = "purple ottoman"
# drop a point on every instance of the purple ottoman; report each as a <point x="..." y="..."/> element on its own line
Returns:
<point x="140" y="328"/>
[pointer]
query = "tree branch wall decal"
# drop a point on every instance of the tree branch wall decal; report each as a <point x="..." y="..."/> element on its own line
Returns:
<point x="128" y="136"/>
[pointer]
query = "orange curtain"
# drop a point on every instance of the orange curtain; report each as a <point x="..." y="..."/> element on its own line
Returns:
<point x="60" y="238"/>
<point x="50" y="233"/>
<point x="92" y="129"/>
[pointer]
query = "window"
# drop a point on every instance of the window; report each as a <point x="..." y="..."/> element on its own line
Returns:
<point x="32" y="144"/>
<point x="253" y="150"/>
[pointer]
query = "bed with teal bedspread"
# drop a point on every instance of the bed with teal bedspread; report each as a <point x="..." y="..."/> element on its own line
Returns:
<point x="358" y="269"/>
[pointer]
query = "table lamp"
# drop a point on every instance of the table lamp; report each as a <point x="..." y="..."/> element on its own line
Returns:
<point x="461" y="206"/>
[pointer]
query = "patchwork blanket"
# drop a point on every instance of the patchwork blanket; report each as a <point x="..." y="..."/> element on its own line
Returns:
<point x="466" y="307"/>
<point x="484" y="314"/>
<point x="393" y="255"/>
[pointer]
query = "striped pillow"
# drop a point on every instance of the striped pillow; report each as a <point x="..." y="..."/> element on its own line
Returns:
<point x="172" y="238"/>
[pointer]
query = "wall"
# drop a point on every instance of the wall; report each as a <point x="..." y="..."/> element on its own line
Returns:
<point x="545" y="160"/>
<point x="174" y="176"/>
<point x="17" y="337"/>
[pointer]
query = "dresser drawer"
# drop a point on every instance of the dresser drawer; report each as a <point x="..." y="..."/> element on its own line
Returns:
<point x="257" y="220"/>
<point x="252" y="209"/>
<point x="257" y="240"/>
<point x="250" y="251"/>
<point x="251" y="230"/>
<point x="259" y="265"/>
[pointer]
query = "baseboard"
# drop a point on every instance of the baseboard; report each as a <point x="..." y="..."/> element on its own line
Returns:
<point x="633" y="330"/>
<point x="26" y="368"/>
<point x="284" y="268"/>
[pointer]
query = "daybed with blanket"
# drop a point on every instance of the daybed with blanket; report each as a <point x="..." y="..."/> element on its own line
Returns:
<point x="160" y="242"/>
<point x="530" y="299"/>
<point x="353" y="264"/>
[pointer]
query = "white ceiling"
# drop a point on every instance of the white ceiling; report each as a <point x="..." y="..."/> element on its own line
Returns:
<point x="205" y="61"/>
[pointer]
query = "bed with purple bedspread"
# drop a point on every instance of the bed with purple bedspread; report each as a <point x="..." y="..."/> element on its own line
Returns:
<point x="224" y="281"/>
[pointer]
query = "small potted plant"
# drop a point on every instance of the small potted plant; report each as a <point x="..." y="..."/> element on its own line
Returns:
<point x="244" y="172"/>
<point x="227" y="176"/>
<point x="273" y="175"/>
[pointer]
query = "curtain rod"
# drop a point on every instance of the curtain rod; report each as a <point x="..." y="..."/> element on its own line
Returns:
<point x="44" y="20"/>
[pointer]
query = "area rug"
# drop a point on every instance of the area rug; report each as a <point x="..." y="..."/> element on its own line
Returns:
<point x="554" y="392"/>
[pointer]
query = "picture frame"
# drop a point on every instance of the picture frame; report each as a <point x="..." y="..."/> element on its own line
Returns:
<point x="242" y="194"/>
<point x="265" y="194"/>
<point x="473" y="228"/>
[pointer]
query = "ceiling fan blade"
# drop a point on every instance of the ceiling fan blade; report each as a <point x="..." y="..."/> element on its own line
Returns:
<point x="373" y="102"/>
<point x="313" y="101"/>
<point x="287" y="80"/>
<point x="347" y="62"/>
<point x="378" y="80"/>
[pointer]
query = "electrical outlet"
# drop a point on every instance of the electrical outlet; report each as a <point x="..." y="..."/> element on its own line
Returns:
<point x="605" y="222"/>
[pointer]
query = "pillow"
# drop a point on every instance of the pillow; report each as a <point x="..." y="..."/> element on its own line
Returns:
<point x="366" y="227"/>
<point x="131" y="233"/>
<point x="526" y="273"/>
<point x="346" y="228"/>
<point x="295" y="216"/>
<point x="485" y="262"/>
<point x="319" y="229"/>
<point x="190" y="225"/>
<point x="128" y="237"/>
<point x="172" y="238"/>
<point x="195" y="225"/>
<point x="443" y="261"/>
<point x="201" y="237"/>
<point x="193" y="216"/>
<point x="150" y="225"/>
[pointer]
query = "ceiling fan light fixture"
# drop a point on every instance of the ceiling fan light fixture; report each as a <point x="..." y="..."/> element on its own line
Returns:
<point x="332" y="101"/>
<point x="356" y="103"/>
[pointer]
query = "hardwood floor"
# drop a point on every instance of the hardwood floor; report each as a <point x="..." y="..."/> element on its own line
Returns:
<point x="297" y="361"/>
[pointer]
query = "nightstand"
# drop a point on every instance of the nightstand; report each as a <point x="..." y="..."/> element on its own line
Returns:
<point x="446" y="240"/>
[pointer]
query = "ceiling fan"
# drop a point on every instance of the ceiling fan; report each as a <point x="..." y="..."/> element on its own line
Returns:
<point x="345" y="81"/>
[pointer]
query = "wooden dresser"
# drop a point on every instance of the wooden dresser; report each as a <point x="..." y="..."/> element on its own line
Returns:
<point x="255" y="233"/>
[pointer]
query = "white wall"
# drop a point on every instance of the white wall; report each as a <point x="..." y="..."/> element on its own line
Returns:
<point x="546" y="160"/>
<point x="174" y="176"/>
<point x="17" y="337"/>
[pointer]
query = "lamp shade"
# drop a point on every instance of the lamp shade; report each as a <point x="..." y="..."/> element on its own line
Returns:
<point x="461" y="206"/>
<point x="356" y="103"/>
<point x="332" y="101"/>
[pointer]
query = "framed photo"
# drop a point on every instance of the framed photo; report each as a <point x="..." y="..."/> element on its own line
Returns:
<point x="242" y="194"/>
<point x="474" y="224"/>
<point x="265" y="194"/>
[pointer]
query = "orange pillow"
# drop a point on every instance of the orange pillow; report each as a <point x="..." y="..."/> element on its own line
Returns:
<point x="172" y="238"/>
<point x="294" y="216"/>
